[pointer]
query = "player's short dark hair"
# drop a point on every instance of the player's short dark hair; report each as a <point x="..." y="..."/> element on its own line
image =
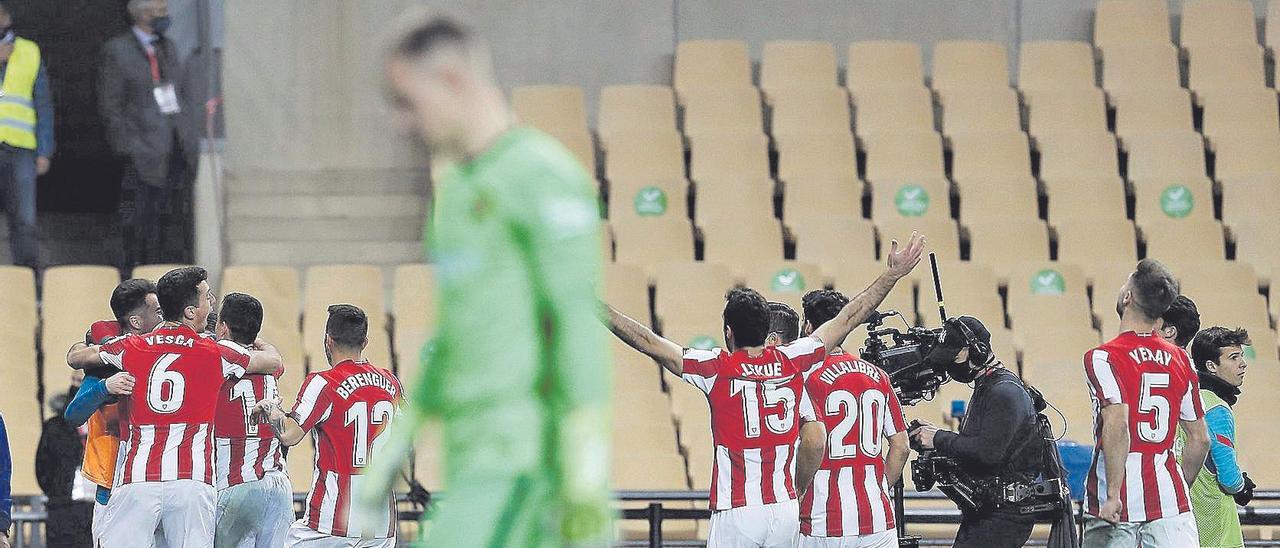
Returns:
<point x="426" y="36"/>
<point x="784" y="321"/>
<point x="822" y="305"/>
<point x="746" y="312"/>
<point x="1182" y="314"/>
<point x="348" y="326"/>
<point x="1154" y="288"/>
<point x="178" y="289"/>
<point x="243" y="315"/>
<point x="129" y="296"/>
<point x="1208" y="344"/>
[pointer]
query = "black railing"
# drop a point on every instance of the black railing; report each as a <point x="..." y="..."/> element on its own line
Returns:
<point x="29" y="515"/>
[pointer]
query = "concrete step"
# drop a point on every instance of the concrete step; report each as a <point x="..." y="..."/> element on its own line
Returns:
<point x="315" y="206"/>
<point x="328" y="182"/>
<point x="336" y="229"/>
<point x="325" y="252"/>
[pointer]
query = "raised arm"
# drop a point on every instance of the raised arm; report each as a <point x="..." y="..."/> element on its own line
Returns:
<point x="639" y="337"/>
<point x="264" y="359"/>
<point x="901" y="262"/>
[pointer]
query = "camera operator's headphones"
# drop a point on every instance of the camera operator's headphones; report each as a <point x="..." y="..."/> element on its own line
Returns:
<point x="979" y="351"/>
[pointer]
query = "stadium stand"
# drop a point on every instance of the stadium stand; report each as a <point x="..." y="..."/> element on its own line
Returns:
<point x="1169" y="154"/>
<point x="925" y="198"/>
<point x="816" y="155"/>
<point x="997" y="155"/>
<point x="360" y="285"/>
<point x="413" y="315"/>
<point x="1248" y="111"/>
<point x="1211" y="23"/>
<point x="1219" y="66"/>
<point x="943" y="234"/>
<point x="1067" y="109"/>
<point x="967" y="110"/>
<point x="989" y="242"/>
<point x="1163" y="109"/>
<point x="1127" y="22"/>
<point x="807" y="199"/>
<point x="728" y="156"/>
<point x="690" y="294"/>
<point x="1140" y="66"/>
<point x="1014" y="199"/>
<point x="1190" y="198"/>
<point x="554" y="109"/>
<point x="648" y="198"/>
<point x="784" y="281"/>
<point x="1247" y="154"/>
<point x="645" y="156"/>
<point x="1091" y="198"/>
<point x="827" y="242"/>
<point x="279" y="288"/>
<point x="652" y="241"/>
<point x="745" y="240"/>
<point x="1076" y="155"/>
<point x="1184" y="240"/>
<point x="22" y="411"/>
<point x="916" y="154"/>
<point x="723" y="200"/>
<point x="722" y="110"/>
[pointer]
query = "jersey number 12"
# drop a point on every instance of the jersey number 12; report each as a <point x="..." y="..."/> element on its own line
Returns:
<point x="359" y="416"/>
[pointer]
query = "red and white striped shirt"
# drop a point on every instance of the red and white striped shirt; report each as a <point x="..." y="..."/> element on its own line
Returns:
<point x="754" y="404"/>
<point x="347" y="409"/>
<point x="1155" y="379"/>
<point x="246" y="450"/>
<point x="171" y="412"/>
<point x="850" y="495"/>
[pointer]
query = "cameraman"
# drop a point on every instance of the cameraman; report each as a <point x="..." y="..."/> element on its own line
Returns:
<point x="997" y="438"/>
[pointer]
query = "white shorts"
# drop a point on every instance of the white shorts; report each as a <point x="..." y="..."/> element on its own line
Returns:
<point x="1176" y="531"/>
<point x="182" y="508"/>
<point x="765" y="526"/>
<point x="883" y="539"/>
<point x="306" y="537"/>
<point x="256" y="514"/>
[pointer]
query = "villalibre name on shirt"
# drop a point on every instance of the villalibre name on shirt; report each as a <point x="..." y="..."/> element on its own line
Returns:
<point x="361" y="380"/>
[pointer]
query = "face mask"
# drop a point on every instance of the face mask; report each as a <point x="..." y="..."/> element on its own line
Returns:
<point x="161" y="24"/>
<point x="962" y="372"/>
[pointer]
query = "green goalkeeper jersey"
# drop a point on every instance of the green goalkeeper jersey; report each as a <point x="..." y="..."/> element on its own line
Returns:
<point x="518" y="370"/>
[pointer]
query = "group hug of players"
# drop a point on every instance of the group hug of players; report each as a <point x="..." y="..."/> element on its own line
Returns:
<point x="799" y="427"/>
<point x="187" y="436"/>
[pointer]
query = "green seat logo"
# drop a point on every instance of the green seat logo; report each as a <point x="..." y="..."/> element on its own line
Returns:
<point x="787" y="280"/>
<point x="1048" y="282"/>
<point x="911" y="200"/>
<point x="1176" y="201"/>
<point x="650" y="201"/>
<point x="702" y="342"/>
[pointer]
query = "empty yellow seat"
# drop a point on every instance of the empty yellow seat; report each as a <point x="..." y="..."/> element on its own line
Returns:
<point x="711" y="63"/>
<point x="649" y="198"/>
<point x="626" y="287"/>
<point x="359" y="285"/>
<point x="1077" y="155"/>
<point x="884" y="62"/>
<point x="728" y="157"/>
<point x="1190" y="198"/>
<point x="18" y="321"/>
<point x="748" y="240"/>
<point x="74" y="297"/>
<point x="413" y="306"/>
<point x="969" y="63"/>
<point x="1217" y="22"/>
<point x="691" y="292"/>
<point x="1086" y="198"/>
<point x="650" y="242"/>
<point x="1003" y="155"/>
<point x="626" y="109"/>
<point x="645" y="155"/>
<point x="1165" y="155"/>
<point x="1012" y="199"/>
<point x="279" y="288"/>
<point x="1066" y="110"/>
<point x="722" y="109"/>
<point x="967" y="110"/>
<point x="724" y="201"/>
<point x="1031" y="282"/>
<point x="797" y="64"/>
<point x="968" y="288"/>
<point x="810" y="110"/>
<point x="814" y="199"/>
<point x="1087" y="241"/>
<point x="1001" y="242"/>
<point x="550" y="108"/>
<point x="828" y="241"/>
<point x="1204" y="277"/>
<point x="1125" y="22"/>
<point x="1140" y="66"/>
<point x="1240" y="111"/>
<point x="911" y="198"/>
<point x="1244" y="197"/>
<point x="782" y="281"/>
<point x="811" y="155"/>
<point x="1243" y="155"/>
<point x="1055" y="64"/>
<point x="1218" y="66"/>
<point x="895" y="156"/>
<point x="1165" y="109"/>
<point x="1184" y="240"/>
<point x="892" y="109"/>
<point x="943" y="234"/>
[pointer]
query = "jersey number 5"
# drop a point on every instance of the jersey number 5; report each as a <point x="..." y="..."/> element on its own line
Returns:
<point x="358" y="415"/>
<point x="1156" y="430"/>
<point x="871" y="410"/>
<point x="773" y="396"/>
<point x="161" y="376"/>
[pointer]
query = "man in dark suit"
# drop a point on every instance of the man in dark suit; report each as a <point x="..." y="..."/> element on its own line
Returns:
<point x="147" y="114"/>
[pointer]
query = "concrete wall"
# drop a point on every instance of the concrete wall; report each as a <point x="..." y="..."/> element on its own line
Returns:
<point x="303" y="88"/>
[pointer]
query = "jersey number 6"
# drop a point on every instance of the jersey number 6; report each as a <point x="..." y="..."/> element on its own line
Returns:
<point x="161" y="376"/>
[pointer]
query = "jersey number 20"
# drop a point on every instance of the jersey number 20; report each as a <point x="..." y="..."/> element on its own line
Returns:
<point x="870" y="409"/>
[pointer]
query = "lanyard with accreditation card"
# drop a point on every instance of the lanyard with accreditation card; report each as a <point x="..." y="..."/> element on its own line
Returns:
<point x="166" y="96"/>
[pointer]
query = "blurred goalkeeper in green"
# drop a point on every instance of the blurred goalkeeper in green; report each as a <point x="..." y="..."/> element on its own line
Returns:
<point x="518" y="371"/>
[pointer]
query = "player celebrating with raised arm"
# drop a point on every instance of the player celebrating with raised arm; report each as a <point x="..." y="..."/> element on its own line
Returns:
<point x="849" y="504"/>
<point x="164" y="479"/>
<point x="348" y="409"/>
<point x="516" y="243"/>
<point x="255" y="499"/>
<point x="755" y="393"/>
<point x="1142" y="388"/>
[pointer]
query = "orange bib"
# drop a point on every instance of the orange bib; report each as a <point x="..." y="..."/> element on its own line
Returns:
<point x="102" y="445"/>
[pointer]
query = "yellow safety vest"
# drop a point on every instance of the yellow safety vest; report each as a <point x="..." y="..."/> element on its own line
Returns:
<point x="17" y="111"/>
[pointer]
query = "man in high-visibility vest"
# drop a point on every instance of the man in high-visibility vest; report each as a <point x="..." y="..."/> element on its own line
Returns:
<point x="26" y="136"/>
